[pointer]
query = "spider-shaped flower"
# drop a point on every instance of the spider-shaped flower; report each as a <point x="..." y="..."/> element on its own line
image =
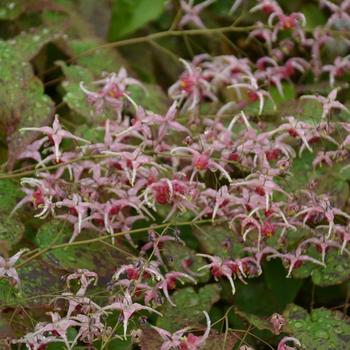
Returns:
<point x="339" y="12"/>
<point x="192" y="12"/>
<point x="85" y="278"/>
<point x="328" y="103"/>
<point x="218" y="268"/>
<point x="7" y="267"/>
<point x="40" y="196"/>
<point x="112" y="91"/>
<point x="294" y="261"/>
<point x="322" y="206"/>
<point x="255" y="93"/>
<point x="191" y="88"/>
<point x="58" y="326"/>
<point x="178" y="340"/>
<point x="169" y="282"/>
<point x="340" y="66"/>
<point x="322" y="245"/>
<point x="128" y="308"/>
<point x="55" y="135"/>
<point x="295" y="22"/>
<point x="201" y="161"/>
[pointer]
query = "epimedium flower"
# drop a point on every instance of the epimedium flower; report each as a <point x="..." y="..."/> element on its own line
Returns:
<point x="219" y="268"/>
<point x="7" y="267"/>
<point x="191" y="88"/>
<point x="328" y="103"/>
<point x="155" y="244"/>
<point x="201" y="161"/>
<point x="295" y="22"/>
<point x="277" y="321"/>
<point x="339" y="12"/>
<point x="112" y="91"/>
<point x="39" y="194"/>
<point x="127" y="309"/>
<point x="255" y="93"/>
<point x="85" y="278"/>
<point x="295" y="260"/>
<point x="321" y="205"/>
<point x="55" y="135"/>
<point x="191" y="12"/>
<point x="58" y="327"/>
<point x="267" y="6"/>
<point x="339" y="68"/>
<point x="169" y="282"/>
<point x="178" y="340"/>
<point x="32" y="151"/>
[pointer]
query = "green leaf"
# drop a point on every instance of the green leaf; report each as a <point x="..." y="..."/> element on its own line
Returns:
<point x="153" y="99"/>
<point x="93" y="256"/>
<point x="11" y="229"/>
<point x="39" y="282"/>
<point x="258" y="322"/>
<point x="97" y="60"/>
<point x="218" y="240"/>
<point x="189" y="307"/>
<point x="22" y="99"/>
<point x="10" y="194"/>
<point x="321" y="330"/>
<point x="283" y="289"/>
<point x="314" y="16"/>
<point x="9" y="295"/>
<point x="175" y="253"/>
<point x="130" y="15"/>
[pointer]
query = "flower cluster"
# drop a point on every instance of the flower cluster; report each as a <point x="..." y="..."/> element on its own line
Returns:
<point x="234" y="169"/>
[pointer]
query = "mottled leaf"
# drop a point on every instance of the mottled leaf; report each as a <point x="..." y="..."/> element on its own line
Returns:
<point x="93" y="256"/>
<point x="218" y="240"/>
<point x="22" y="99"/>
<point x="175" y="254"/>
<point x="321" y="330"/>
<point x="190" y="305"/>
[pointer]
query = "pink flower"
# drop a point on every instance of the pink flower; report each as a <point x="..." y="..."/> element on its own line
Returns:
<point x="128" y="308"/>
<point x="55" y="135"/>
<point x="328" y="103"/>
<point x="191" y="88"/>
<point x="192" y="12"/>
<point x="178" y="340"/>
<point x="218" y="269"/>
<point x="112" y="91"/>
<point x="7" y="267"/>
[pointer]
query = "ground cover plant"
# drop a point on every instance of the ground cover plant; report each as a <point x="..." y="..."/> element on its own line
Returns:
<point x="174" y="174"/>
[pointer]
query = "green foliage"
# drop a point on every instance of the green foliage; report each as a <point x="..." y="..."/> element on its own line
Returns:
<point x="321" y="330"/>
<point x="218" y="240"/>
<point x="190" y="305"/>
<point x="176" y="253"/>
<point x="129" y="15"/>
<point x="93" y="256"/>
<point x="22" y="99"/>
<point x="336" y="270"/>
